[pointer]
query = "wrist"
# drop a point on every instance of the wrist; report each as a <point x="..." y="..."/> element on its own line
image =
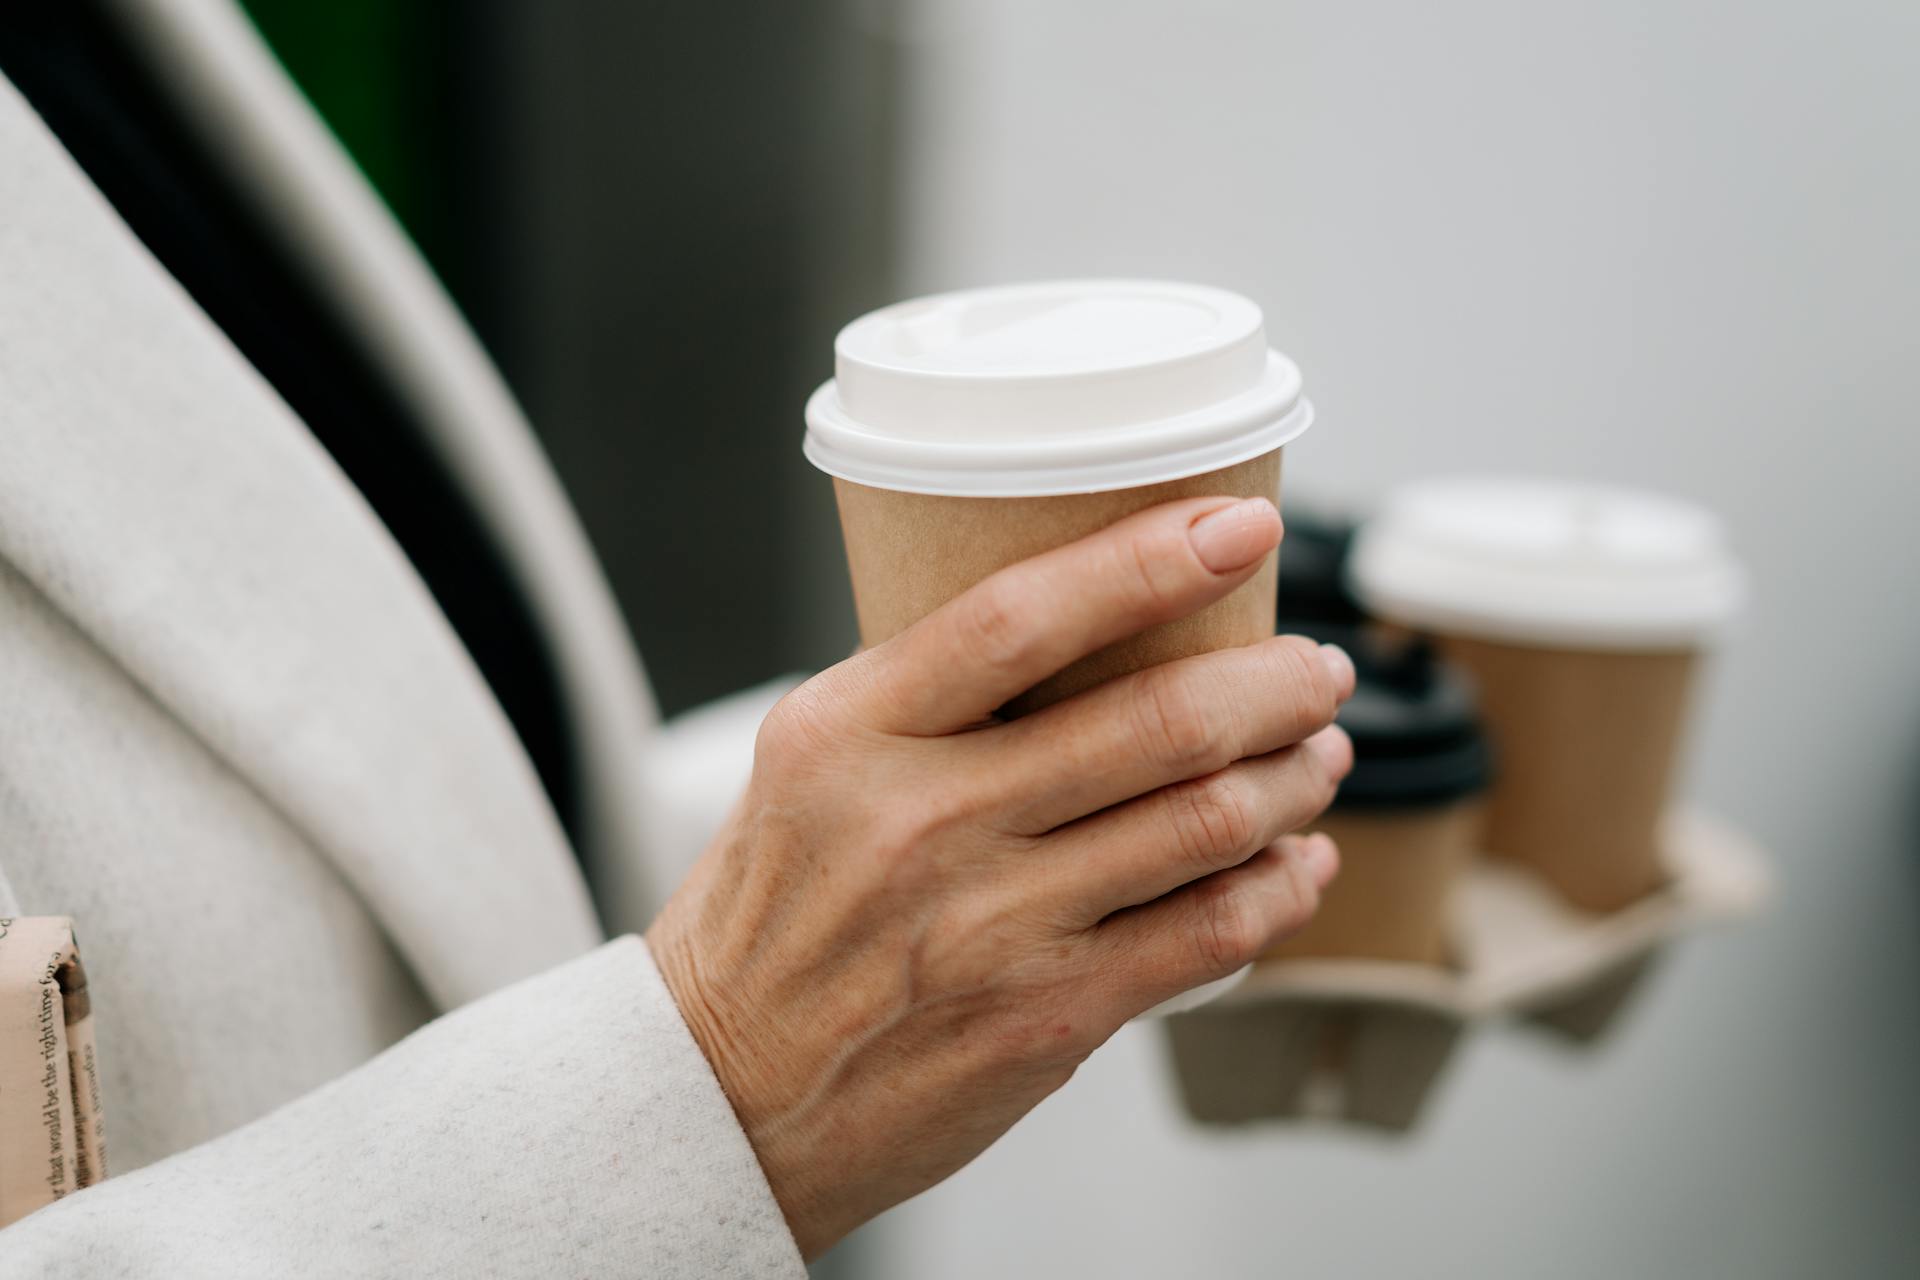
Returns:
<point x="736" y="1062"/>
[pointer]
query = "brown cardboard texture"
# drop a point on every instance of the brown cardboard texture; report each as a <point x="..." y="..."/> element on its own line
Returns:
<point x="910" y="553"/>
<point x="1398" y="869"/>
<point x="1364" y="1040"/>
<point x="1585" y="744"/>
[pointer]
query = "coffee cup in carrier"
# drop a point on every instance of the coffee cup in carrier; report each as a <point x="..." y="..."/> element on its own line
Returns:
<point x="1408" y="817"/>
<point x="1581" y="613"/>
<point x="968" y="431"/>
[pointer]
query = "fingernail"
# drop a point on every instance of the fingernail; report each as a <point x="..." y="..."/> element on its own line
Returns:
<point x="1340" y="667"/>
<point x="1234" y="537"/>
<point x="1322" y="857"/>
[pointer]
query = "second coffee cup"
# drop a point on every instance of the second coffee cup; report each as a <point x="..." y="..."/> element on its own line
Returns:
<point x="1581" y="613"/>
<point x="968" y="431"/>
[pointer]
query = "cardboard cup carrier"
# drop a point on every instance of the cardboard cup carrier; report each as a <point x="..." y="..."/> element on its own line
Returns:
<point x="1581" y="612"/>
<point x="971" y="430"/>
<point x="1407" y="820"/>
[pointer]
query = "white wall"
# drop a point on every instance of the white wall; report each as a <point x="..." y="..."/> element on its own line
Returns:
<point x="1675" y="244"/>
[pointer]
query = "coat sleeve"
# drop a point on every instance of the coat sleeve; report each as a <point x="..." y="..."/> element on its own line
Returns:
<point x="565" y="1126"/>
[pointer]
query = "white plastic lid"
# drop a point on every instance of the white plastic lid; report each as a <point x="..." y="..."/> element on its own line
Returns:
<point x="1072" y="386"/>
<point x="1542" y="562"/>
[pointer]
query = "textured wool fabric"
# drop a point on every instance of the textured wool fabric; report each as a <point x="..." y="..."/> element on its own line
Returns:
<point x="160" y="496"/>
<point x="244" y="751"/>
<point x="557" y="1128"/>
<point x="308" y="191"/>
<point x="232" y="967"/>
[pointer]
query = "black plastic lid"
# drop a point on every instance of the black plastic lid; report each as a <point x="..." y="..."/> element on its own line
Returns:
<point x="1313" y="564"/>
<point x="1417" y="738"/>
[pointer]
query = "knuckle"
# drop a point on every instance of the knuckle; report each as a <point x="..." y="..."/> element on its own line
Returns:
<point x="1231" y="932"/>
<point x="796" y="723"/>
<point x="1325" y="788"/>
<point x="1174" y="724"/>
<point x="1154" y="560"/>
<point x="1212" y="820"/>
<point x="1322" y="775"/>
<point x="1304" y="675"/>
<point x="1302" y="898"/>
<point x="993" y="626"/>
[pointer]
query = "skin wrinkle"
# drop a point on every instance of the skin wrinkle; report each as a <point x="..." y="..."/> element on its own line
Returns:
<point x="1255" y="671"/>
<point x="916" y="925"/>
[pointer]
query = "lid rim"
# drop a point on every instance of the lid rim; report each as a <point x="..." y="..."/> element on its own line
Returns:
<point x="1457" y="773"/>
<point x="1548" y="564"/>
<point x="1634" y="626"/>
<point x="1259" y="419"/>
<point x="1053" y="477"/>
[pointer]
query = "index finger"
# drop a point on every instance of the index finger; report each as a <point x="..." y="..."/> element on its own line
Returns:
<point x="1012" y="630"/>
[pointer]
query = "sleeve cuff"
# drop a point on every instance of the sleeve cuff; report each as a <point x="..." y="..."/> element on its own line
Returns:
<point x="566" y="1125"/>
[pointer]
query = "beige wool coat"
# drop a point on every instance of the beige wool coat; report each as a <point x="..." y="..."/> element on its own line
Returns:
<point x="357" y="1011"/>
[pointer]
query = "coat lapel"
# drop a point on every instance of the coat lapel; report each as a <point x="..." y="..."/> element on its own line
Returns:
<point x="159" y="494"/>
<point x="309" y="193"/>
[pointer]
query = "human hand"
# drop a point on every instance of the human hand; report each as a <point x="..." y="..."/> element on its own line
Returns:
<point x="920" y="920"/>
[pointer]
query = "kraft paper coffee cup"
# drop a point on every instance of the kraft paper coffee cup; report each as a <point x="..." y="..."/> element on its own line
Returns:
<point x="1408" y="817"/>
<point x="1582" y="613"/>
<point x="971" y="430"/>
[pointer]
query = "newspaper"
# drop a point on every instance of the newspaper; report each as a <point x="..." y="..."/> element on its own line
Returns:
<point x="52" y="1130"/>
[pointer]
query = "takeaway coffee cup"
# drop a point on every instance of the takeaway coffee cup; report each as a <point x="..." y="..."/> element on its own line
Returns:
<point x="1407" y="818"/>
<point x="970" y="430"/>
<point x="1581" y="613"/>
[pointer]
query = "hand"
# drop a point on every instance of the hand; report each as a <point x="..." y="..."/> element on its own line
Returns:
<point x="919" y="920"/>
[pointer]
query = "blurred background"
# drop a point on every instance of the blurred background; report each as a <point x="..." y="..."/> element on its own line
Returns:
<point x="1668" y="244"/>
